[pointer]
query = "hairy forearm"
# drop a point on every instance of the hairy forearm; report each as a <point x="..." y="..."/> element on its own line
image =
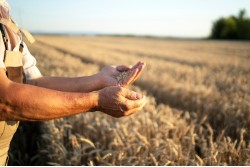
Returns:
<point x="31" y="103"/>
<point x="77" y="84"/>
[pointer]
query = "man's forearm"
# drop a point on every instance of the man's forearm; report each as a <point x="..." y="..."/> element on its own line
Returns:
<point x="31" y="103"/>
<point x="77" y="84"/>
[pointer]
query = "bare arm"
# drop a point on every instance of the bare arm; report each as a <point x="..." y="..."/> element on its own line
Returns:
<point x="31" y="103"/>
<point x="67" y="84"/>
<point x="26" y="102"/>
<point x="106" y="77"/>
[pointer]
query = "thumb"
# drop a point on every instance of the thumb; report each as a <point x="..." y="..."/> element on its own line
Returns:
<point x="122" y="68"/>
<point x="129" y="79"/>
<point x="131" y="95"/>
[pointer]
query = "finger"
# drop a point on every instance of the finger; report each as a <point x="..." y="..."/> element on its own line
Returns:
<point x="140" y="69"/>
<point x="136" y="104"/>
<point x="136" y="65"/>
<point x="135" y="109"/>
<point x="130" y="112"/>
<point x="139" y="66"/>
<point x="132" y="78"/>
<point x="128" y="80"/>
<point x="122" y="68"/>
<point x="130" y="95"/>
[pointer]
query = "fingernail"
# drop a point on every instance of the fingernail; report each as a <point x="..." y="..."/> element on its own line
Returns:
<point x="138" y="96"/>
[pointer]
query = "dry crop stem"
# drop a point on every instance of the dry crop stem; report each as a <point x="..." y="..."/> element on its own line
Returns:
<point x="198" y="111"/>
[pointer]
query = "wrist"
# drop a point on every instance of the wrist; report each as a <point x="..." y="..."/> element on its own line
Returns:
<point x="94" y="98"/>
<point x="99" y="80"/>
<point x="89" y="83"/>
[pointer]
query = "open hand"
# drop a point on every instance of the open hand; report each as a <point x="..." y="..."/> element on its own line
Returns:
<point x="121" y="75"/>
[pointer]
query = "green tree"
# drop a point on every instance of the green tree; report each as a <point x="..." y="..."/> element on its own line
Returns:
<point x="242" y="14"/>
<point x="233" y="27"/>
<point x="243" y="25"/>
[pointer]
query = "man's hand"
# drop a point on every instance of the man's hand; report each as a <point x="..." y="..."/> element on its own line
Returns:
<point x="120" y="75"/>
<point x="117" y="101"/>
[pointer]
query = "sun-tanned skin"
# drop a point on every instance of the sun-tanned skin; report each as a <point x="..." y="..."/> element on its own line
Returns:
<point x="106" y="77"/>
<point x="56" y="97"/>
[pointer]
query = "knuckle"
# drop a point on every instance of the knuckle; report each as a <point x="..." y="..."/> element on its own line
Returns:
<point x="116" y="98"/>
<point x="124" y="107"/>
<point x="128" y="107"/>
<point x="120" y="98"/>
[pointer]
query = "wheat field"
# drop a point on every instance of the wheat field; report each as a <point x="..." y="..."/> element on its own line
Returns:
<point x="198" y="109"/>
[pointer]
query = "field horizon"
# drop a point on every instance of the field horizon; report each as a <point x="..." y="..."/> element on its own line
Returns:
<point x="98" y="34"/>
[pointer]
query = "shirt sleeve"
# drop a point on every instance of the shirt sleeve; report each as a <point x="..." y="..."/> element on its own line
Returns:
<point x="29" y="65"/>
<point x="29" y="62"/>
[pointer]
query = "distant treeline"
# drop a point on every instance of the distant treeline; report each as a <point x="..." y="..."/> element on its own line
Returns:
<point x="233" y="27"/>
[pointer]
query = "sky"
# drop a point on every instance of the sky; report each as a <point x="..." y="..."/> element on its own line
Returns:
<point x="172" y="18"/>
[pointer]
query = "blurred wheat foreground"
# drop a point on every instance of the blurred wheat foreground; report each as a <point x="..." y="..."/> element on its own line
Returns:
<point x="198" y="110"/>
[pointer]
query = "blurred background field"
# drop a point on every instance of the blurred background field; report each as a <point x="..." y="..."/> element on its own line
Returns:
<point x="198" y="110"/>
<point x="197" y="81"/>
